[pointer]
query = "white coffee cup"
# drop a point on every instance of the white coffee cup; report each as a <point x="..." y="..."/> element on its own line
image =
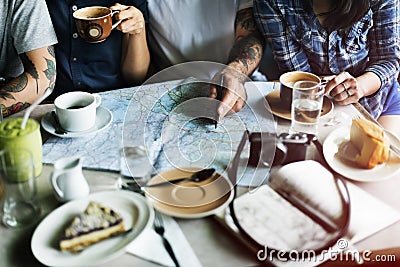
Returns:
<point x="76" y="111"/>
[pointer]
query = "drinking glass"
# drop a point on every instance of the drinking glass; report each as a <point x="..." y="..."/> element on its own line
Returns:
<point x="135" y="166"/>
<point x="306" y="106"/>
<point x="13" y="137"/>
<point x="17" y="172"/>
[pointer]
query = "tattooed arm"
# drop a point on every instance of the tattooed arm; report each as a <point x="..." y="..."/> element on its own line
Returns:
<point x="39" y="74"/>
<point x="244" y="58"/>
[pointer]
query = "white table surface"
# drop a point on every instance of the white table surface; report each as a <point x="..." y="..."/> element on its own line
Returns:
<point x="213" y="245"/>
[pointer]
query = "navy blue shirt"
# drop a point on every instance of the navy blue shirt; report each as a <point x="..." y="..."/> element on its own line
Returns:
<point x="83" y="66"/>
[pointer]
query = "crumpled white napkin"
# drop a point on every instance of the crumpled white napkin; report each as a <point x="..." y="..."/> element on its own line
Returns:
<point x="149" y="246"/>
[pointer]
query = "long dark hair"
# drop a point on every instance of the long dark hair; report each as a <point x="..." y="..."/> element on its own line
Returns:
<point x="345" y="13"/>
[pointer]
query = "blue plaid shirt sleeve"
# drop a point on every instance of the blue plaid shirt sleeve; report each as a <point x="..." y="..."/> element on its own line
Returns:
<point x="384" y="42"/>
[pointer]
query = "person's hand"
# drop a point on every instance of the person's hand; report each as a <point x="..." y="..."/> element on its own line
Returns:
<point x="344" y="89"/>
<point x="131" y="17"/>
<point x="234" y="96"/>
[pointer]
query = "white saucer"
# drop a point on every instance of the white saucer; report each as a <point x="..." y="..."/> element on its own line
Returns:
<point x="190" y="199"/>
<point x="104" y="118"/>
<point x="379" y="173"/>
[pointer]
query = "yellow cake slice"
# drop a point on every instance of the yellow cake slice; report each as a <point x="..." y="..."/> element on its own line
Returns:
<point x="370" y="146"/>
<point x="96" y="223"/>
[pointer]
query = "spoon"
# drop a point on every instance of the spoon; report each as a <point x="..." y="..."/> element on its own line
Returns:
<point x="59" y="129"/>
<point x="196" y="177"/>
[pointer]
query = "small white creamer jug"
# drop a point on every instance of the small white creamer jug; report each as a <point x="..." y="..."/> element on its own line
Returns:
<point x="67" y="179"/>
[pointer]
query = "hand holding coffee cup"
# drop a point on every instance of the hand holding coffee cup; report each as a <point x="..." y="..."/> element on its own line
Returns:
<point x="95" y="23"/>
<point x="132" y="19"/>
<point x="76" y="111"/>
<point x="288" y="80"/>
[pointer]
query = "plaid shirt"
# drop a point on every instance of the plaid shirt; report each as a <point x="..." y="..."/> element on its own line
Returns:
<point x="300" y="42"/>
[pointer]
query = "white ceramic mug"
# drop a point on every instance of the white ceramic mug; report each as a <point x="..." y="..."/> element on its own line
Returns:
<point x="76" y="111"/>
<point x="67" y="179"/>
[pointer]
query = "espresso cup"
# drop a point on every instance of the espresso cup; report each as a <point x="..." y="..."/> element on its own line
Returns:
<point x="76" y="111"/>
<point x="95" y="23"/>
<point x="288" y="80"/>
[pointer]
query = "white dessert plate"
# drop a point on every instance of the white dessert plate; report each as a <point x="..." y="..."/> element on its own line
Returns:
<point x="134" y="208"/>
<point x="189" y="199"/>
<point x="104" y="118"/>
<point x="379" y="173"/>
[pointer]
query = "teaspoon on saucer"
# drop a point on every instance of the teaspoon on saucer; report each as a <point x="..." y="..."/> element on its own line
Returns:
<point x="196" y="177"/>
<point x="58" y="128"/>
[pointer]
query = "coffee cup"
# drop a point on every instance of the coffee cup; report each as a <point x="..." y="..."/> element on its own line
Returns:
<point x="76" y="111"/>
<point x="95" y="23"/>
<point x="288" y="80"/>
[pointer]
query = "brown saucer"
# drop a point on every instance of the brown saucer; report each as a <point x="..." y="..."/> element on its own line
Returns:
<point x="189" y="199"/>
<point x="278" y="110"/>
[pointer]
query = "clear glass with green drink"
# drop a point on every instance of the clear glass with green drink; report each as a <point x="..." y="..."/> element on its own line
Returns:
<point x="20" y="202"/>
<point x="13" y="137"/>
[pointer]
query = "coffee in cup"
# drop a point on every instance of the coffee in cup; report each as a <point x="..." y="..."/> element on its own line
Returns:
<point x="95" y="23"/>
<point x="76" y="111"/>
<point x="288" y="80"/>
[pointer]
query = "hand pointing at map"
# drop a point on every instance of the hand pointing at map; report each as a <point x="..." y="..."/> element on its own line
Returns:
<point x="234" y="95"/>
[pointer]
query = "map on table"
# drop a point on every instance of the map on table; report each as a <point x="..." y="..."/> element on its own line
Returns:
<point x="173" y="121"/>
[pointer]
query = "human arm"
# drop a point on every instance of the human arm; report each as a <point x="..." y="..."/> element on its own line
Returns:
<point x="39" y="75"/>
<point x="244" y="58"/>
<point x="135" y="52"/>
<point x="384" y="57"/>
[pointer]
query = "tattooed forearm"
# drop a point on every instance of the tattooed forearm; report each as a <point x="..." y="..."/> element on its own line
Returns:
<point x="50" y="49"/>
<point x="248" y="48"/>
<point x="15" y="85"/>
<point x="247" y="51"/>
<point x="245" y="20"/>
<point x="50" y="72"/>
<point x="13" y="108"/>
<point x="31" y="69"/>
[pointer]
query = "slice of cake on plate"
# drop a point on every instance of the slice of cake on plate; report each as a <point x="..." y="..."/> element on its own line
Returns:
<point x="368" y="146"/>
<point x="96" y="223"/>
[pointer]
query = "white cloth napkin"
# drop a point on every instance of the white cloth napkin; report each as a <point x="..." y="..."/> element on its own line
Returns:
<point x="149" y="246"/>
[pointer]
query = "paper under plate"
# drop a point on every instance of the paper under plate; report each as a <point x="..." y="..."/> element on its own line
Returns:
<point x="103" y="120"/>
<point x="134" y="208"/>
<point x="380" y="172"/>
<point x="278" y="110"/>
<point x="190" y="199"/>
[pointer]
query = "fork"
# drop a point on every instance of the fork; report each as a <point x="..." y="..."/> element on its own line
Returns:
<point x="160" y="230"/>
